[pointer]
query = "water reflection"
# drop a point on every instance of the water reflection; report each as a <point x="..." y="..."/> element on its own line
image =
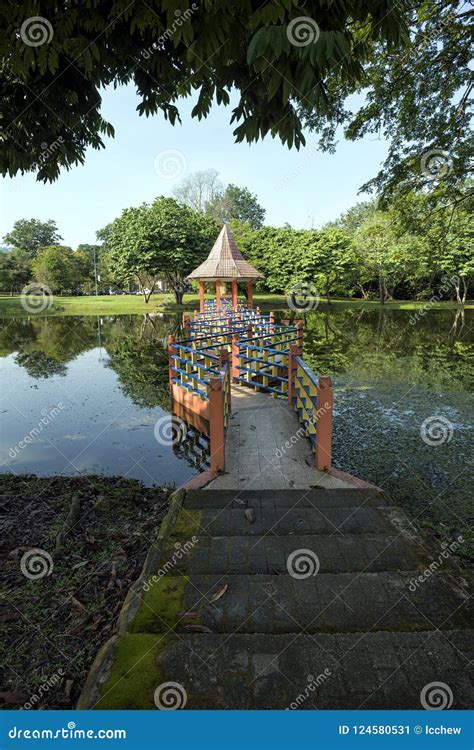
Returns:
<point x="111" y="374"/>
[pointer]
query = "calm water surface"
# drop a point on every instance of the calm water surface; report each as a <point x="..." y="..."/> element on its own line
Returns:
<point x="83" y="395"/>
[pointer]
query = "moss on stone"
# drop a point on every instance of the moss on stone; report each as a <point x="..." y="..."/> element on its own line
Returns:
<point x="188" y="523"/>
<point x="135" y="673"/>
<point x="161" y="605"/>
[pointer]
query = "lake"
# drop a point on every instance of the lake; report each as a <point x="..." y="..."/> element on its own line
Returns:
<point x="85" y="394"/>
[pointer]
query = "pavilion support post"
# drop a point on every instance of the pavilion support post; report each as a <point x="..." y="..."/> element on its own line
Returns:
<point x="250" y="293"/>
<point x="187" y="325"/>
<point x="292" y="367"/>
<point x="218" y="296"/>
<point x="201" y="296"/>
<point x="216" y="425"/>
<point x="234" y="295"/>
<point x="323" y="416"/>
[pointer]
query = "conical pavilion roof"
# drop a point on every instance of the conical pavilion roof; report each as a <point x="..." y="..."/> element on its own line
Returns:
<point x="225" y="261"/>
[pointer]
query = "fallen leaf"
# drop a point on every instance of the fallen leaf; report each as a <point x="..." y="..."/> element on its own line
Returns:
<point x="77" y="604"/>
<point x="250" y="515"/>
<point x="220" y="592"/>
<point x="189" y="615"/>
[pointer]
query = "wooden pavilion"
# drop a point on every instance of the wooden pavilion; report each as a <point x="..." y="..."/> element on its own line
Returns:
<point x="225" y="264"/>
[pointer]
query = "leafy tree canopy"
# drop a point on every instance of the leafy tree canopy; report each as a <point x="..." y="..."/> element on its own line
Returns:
<point x="238" y="204"/>
<point x="28" y="235"/>
<point x="59" y="268"/>
<point x="280" y="57"/>
<point x="163" y="240"/>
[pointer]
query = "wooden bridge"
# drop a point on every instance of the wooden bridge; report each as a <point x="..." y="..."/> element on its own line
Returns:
<point x="238" y="355"/>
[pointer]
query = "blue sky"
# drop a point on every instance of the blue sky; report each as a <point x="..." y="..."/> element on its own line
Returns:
<point x="304" y="188"/>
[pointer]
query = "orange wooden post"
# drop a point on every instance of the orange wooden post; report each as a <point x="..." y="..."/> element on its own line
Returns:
<point x="235" y="356"/>
<point x="234" y="294"/>
<point x="250" y="293"/>
<point x="249" y="331"/>
<point x="324" y="409"/>
<point x="299" y="334"/>
<point x="216" y="425"/>
<point x="224" y="358"/>
<point x="171" y="352"/>
<point x="201" y="296"/>
<point x="292" y="367"/>
<point x="187" y="325"/>
<point x="218" y="295"/>
<point x="271" y="323"/>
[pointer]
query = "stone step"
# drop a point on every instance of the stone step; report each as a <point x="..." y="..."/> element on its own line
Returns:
<point x="323" y="602"/>
<point x="284" y="521"/>
<point x="314" y="498"/>
<point x="353" y="671"/>
<point x="269" y="554"/>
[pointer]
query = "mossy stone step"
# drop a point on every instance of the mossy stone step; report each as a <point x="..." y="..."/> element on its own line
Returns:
<point x="314" y="498"/>
<point x="209" y="671"/>
<point x="326" y="602"/>
<point x="281" y="522"/>
<point x="269" y="554"/>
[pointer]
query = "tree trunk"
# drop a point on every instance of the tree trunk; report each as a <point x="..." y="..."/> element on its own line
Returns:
<point x="457" y="286"/>
<point x="464" y="290"/>
<point x="362" y="290"/>
<point x="382" y="290"/>
<point x="178" y="294"/>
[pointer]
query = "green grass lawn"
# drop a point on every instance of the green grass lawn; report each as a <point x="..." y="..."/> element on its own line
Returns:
<point x="130" y="303"/>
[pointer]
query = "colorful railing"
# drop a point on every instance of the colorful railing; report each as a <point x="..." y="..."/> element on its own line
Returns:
<point x="245" y="347"/>
<point x="312" y="399"/>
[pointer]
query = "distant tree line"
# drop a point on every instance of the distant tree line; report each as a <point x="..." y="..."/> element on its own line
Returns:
<point x="418" y="247"/>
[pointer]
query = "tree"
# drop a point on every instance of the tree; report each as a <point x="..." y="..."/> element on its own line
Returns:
<point x="277" y="56"/>
<point x="58" y="268"/>
<point x="161" y="240"/>
<point x="328" y="260"/>
<point x="199" y="189"/>
<point x="418" y="99"/>
<point x="28" y="235"/>
<point x="15" y="271"/>
<point x="237" y="204"/>
<point x="385" y="255"/>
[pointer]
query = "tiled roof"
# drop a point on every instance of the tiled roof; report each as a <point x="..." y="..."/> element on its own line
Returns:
<point x="225" y="261"/>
